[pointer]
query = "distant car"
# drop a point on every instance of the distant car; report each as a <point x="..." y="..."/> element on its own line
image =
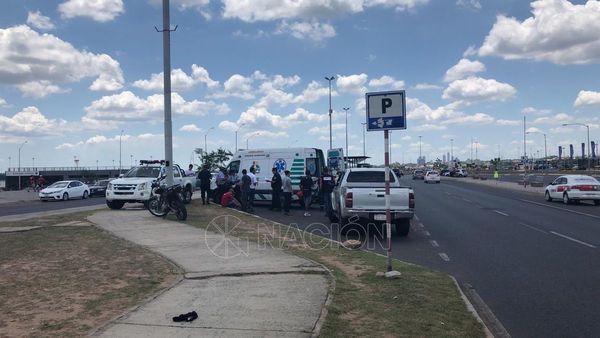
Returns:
<point x="574" y="188"/>
<point x="432" y="176"/>
<point x="445" y="172"/>
<point x="418" y="175"/>
<point x="99" y="188"/>
<point x="64" y="190"/>
<point x="458" y="173"/>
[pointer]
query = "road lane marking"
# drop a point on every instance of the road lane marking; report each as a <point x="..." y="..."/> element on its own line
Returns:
<point x="467" y="200"/>
<point x="416" y="218"/>
<point x="426" y="233"/>
<point x="421" y="225"/>
<point x="501" y="213"/>
<point x="444" y="257"/>
<point x="553" y="207"/>
<point x="434" y="244"/>
<point x="573" y="239"/>
<point x="534" y="228"/>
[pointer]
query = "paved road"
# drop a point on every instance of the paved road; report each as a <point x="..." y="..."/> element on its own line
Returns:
<point x="536" y="264"/>
<point x="16" y="208"/>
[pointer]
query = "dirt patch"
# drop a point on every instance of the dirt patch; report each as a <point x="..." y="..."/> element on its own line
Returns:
<point x="65" y="281"/>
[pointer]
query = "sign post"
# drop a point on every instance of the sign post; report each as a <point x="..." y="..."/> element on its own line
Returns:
<point x="386" y="111"/>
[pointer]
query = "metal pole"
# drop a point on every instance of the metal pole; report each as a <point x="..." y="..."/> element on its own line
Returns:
<point x="346" y="110"/>
<point x="388" y="213"/>
<point x="21" y="146"/>
<point x="588" y="147"/>
<point x="33" y="162"/>
<point x="120" y="136"/>
<point x="329" y="79"/>
<point x="525" y="142"/>
<point x="419" y="150"/>
<point x="236" y="134"/>
<point x="167" y="92"/>
<point x="452" y="151"/>
<point x="364" y="140"/>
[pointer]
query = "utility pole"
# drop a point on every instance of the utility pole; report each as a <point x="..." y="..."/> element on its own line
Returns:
<point x="21" y="146"/>
<point x="236" y="133"/>
<point x="205" y="135"/>
<point x="364" y="124"/>
<point x="120" y="136"/>
<point x="346" y="110"/>
<point x="419" y="149"/>
<point x="167" y="91"/>
<point x="525" y="142"/>
<point x="452" y="151"/>
<point x="329" y="79"/>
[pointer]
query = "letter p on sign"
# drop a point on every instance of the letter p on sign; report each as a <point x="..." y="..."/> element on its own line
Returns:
<point x="385" y="104"/>
<point x="386" y="110"/>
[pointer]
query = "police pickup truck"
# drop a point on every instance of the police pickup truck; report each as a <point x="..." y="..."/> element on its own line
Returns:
<point x="359" y="196"/>
<point x="135" y="185"/>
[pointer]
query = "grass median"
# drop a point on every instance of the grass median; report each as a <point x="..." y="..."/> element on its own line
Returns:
<point x="68" y="277"/>
<point x="421" y="303"/>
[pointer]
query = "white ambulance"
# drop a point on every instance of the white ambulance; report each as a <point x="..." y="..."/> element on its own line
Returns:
<point x="296" y="160"/>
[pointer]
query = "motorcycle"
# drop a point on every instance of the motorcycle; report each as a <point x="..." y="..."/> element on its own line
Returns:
<point x="167" y="199"/>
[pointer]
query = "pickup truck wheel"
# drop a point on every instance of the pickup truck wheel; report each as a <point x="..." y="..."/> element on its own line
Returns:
<point x="187" y="195"/>
<point x="402" y="227"/>
<point x="115" y="205"/>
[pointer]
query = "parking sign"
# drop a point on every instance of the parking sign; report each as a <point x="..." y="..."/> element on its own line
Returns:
<point x="386" y="110"/>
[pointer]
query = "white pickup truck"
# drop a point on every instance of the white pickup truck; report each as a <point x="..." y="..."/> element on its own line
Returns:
<point x="135" y="185"/>
<point x="359" y="196"/>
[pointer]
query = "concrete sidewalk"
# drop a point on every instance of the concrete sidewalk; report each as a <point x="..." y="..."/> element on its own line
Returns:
<point x="18" y="196"/>
<point x="500" y="184"/>
<point x="238" y="288"/>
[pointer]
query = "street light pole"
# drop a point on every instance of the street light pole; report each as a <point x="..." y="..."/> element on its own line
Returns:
<point x="21" y="146"/>
<point x="452" y="151"/>
<point x="364" y="124"/>
<point x="329" y="79"/>
<point x="249" y="136"/>
<point x="205" y="135"/>
<point x="588" y="139"/>
<point x="120" y="137"/>
<point x="346" y="110"/>
<point x="419" y="149"/>
<point x="33" y="162"/>
<point x="236" y="132"/>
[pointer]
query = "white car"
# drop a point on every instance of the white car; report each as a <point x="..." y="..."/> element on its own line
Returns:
<point x="574" y="188"/>
<point x="64" y="190"/>
<point x="432" y="176"/>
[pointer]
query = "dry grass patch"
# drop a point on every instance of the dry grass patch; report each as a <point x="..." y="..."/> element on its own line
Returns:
<point x="67" y="280"/>
<point x="422" y="303"/>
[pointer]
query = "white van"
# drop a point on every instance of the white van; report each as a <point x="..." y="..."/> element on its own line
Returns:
<point x="296" y="160"/>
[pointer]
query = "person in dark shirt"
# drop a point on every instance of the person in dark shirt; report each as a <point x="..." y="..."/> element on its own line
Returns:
<point x="245" y="183"/>
<point x="306" y="184"/>
<point x="205" y="177"/>
<point x="326" y="184"/>
<point x="276" y="191"/>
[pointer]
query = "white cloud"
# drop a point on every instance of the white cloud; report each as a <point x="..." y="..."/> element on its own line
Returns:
<point x="266" y="134"/>
<point x="192" y="128"/>
<point x="39" y="89"/>
<point x="475" y="89"/>
<point x="558" y="31"/>
<point x="30" y="59"/>
<point x="69" y="145"/>
<point x="508" y="122"/>
<point x="444" y="115"/>
<point x="313" y="92"/>
<point x="126" y="106"/>
<point x="31" y="122"/>
<point x="558" y="118"/>
<point x="470" y="4"/>
<point x="98" y="10"/>
<point x="354" y="84"/>
<point x="179" y="80"/>
<point x="535" y="111"/>
<point x="387" y="81"/>
<point x="39" y="21"/>
<point x="3" y="102"/>
<point x="587" y="98"/>
<point x="237" y="86"/>
<point x="307" y="30"/>
<point x="325" y="129"/>
<point x="464" y="68"/>
<point x="429" y="127"/>
<point x="426" y="86"/>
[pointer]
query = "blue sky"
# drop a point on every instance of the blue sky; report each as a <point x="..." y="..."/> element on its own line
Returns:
<point x="75" y="76"/>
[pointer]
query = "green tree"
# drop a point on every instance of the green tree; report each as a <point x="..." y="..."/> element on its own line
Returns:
<point x="214" y="159"/>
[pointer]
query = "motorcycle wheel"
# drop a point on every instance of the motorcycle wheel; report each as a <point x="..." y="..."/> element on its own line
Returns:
<point x="180" y="211"/>
<point x="155" y="208"/>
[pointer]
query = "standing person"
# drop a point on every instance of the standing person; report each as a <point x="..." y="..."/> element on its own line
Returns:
<point x="31" y="183"/>
<point x="245" y="183"/>
<point x="326" y="184"/>
<point x="190" y="171"/>
<point x="306" y="184"/>
<point x="222" y="180"/>
<point x="205" y="177"/>
<point x="286" y="182"/>
<point x="275" y="190"/>
<point x="253" y="184"/>
<point x="41" y="182"/>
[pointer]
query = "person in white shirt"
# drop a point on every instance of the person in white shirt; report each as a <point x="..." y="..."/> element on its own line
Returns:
<point x="286" y="183"/>
<point x="253" y="185"/>
<point x="190" y="171"/>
